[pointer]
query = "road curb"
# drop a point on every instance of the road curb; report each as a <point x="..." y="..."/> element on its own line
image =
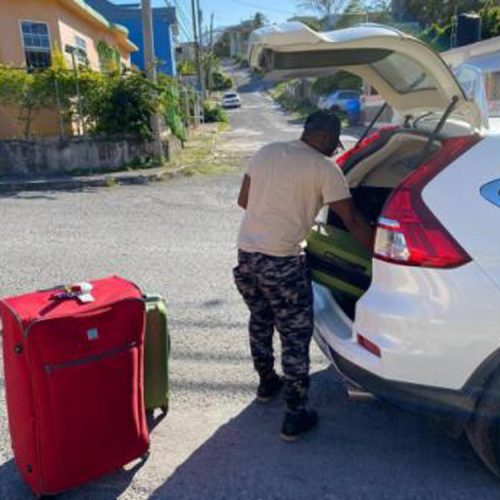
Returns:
<point x="92" y="181"/>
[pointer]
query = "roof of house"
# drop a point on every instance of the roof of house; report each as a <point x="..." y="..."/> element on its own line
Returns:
<point x="128" y="10"/>
<point x="87" y="9"/>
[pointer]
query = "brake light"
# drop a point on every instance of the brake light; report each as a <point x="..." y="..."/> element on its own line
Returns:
<point x="408" y="232"/>
<point x="342" y="159"/>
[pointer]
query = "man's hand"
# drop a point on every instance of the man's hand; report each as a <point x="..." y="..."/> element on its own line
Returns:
<point x="244" y="190"/>
<point x="354" y="221"/>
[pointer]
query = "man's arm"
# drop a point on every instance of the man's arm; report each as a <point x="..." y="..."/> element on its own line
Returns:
<point x="354" y="221"/>
<point x="244" y="190"/>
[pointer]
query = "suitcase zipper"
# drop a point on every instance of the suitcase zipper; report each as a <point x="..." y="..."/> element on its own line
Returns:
<point x="27" y="330"/>
<point x="90" y="359"/>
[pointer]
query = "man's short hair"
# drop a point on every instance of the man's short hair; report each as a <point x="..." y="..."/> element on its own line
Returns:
<point x="324" y="121"/>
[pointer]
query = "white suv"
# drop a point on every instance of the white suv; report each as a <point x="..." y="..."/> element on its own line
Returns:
<point x="418" y="322"/>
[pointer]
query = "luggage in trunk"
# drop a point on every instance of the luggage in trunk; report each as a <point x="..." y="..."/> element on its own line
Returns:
<point x="156" y="354"/>
<point x="336" y="259"/>
<point x="74" y="382"/>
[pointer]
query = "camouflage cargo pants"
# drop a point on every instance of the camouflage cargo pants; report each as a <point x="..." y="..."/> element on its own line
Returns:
<point x="278" y="292"/>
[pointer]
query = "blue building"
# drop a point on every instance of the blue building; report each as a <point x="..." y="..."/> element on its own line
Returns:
<point x="164" y="25"/>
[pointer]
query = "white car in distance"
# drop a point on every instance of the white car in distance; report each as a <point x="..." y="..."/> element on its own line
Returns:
<point x="231" y="100"/>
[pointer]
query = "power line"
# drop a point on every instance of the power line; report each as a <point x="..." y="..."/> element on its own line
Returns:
<point x="183" y="20"/>
<point x="262" y="7"/>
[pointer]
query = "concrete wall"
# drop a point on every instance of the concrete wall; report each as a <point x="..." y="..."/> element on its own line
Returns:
<point x="51" y="156"/>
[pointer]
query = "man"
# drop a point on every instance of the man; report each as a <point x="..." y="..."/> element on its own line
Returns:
<point x="282" y="192"/>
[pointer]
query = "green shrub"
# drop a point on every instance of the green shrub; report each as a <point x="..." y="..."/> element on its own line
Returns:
<point x="124" y="106"/>
<point x="108" y="104"/>
<point x="221" y="82"/>
<point x="214" y="113"/>
<point x="439" y="38"/>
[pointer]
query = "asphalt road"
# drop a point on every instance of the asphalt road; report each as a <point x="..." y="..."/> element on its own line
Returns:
<point x="177" y="239"/>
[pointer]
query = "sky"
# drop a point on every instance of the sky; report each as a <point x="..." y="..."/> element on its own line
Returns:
<point x="228" y="12"/>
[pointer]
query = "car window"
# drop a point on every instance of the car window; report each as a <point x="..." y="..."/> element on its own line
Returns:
<point x="492" y="84"/>
<point x="230" y="95"/>
<point x="473" y="84"/>
<point x="403" y="74"/>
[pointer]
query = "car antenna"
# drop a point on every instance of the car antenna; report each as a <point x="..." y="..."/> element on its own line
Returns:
<point x="372" y="123"/>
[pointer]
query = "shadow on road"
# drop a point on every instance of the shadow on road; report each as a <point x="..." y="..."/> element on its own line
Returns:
<point x="33" y="192"/>
<point x="361" y="450"/>
<point x="112" y="486"/>
<point x="253" y="84"/>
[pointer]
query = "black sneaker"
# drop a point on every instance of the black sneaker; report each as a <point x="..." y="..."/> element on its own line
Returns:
<point x="296" y="424"/>
<point x="269" y="388"/>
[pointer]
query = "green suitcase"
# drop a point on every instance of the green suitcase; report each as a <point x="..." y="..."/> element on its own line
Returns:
<point x="156" y="355"/>
<point x="340" y="263"/>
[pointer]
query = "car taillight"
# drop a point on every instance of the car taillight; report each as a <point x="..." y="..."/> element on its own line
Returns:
<point x="408" y="232"/>
<point x="342" y="159"/>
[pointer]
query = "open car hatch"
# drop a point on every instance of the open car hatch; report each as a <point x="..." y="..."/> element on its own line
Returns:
<point x="409" y="76"/>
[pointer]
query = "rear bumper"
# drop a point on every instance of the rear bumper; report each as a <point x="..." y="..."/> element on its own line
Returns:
<point x="434" y="401"/>
<point x="437" y="332"/>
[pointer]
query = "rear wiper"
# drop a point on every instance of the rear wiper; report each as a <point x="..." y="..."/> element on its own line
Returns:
<point x="372" y="123"/>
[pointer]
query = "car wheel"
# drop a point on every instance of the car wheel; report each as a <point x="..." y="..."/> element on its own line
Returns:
<point x="483" y="430"/>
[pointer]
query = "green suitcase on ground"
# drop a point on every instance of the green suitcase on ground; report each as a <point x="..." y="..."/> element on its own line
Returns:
<point x="156" y="354"/>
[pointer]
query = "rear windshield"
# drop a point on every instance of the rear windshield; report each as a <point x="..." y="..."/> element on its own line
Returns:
<point x="403" y="74"/>
<point x="348" y="95"/>
<point x="230" y="95"/>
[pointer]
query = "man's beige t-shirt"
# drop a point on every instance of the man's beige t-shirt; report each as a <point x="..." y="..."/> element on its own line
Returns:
<point x="290" y="182"/>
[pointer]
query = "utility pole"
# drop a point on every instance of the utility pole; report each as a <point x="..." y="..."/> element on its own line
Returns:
<point x="211" y="39"/>
<point x="211" y="54"/>
<point x="200" y="25"/>
<point x="197" y="46"/>
<point x="150" y="65"/>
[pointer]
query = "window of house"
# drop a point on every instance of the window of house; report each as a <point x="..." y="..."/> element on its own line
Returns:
<point x="36" y="44"/>
<point x="81" y="50"/>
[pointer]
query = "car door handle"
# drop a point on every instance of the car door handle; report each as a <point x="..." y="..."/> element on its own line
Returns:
<point x="491" y="192"/>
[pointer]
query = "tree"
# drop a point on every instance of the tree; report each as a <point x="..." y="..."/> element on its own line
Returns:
<point x="381" y="12"/>
<point x="490" y="19"/>
<point x="325" y="8"/>
<point x="354" y="13"/>
<point x="259" y="20"/>
<point x="428" y="12"/>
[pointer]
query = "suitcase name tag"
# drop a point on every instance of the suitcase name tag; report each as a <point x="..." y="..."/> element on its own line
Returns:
<point x="78" y="291"/>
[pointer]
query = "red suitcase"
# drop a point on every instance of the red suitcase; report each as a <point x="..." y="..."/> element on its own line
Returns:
<point x="74" y="382"/>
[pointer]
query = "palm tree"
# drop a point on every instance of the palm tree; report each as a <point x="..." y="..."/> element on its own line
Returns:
<point x="259" y="20"/>
<point x="326" y="8"/>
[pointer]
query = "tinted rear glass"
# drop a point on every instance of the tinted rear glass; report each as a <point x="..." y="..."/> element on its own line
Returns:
<point x="230" y="96"/>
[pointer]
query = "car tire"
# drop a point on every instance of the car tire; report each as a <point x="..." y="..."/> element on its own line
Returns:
<point x="483" y="430"/>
